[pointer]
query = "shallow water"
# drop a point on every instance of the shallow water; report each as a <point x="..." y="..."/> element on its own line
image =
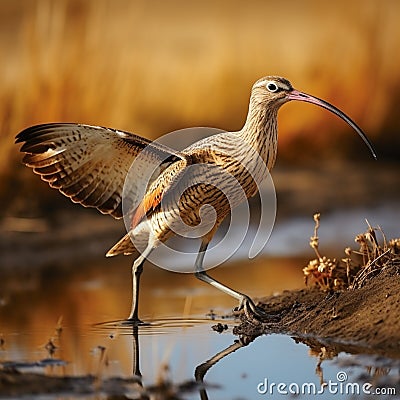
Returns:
<point x="88" y="303"/>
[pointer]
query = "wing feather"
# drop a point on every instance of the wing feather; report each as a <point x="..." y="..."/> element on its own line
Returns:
<point x="89" y="164"/>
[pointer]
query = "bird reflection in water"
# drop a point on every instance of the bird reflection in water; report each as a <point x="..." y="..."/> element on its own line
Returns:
<point x="165" y="386"/>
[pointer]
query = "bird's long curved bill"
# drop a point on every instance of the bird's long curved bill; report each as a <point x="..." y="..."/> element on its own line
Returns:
<point x="300" y="96"/>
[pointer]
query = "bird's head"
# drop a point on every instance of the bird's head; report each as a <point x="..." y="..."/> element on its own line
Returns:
<point x="273" y="91"/>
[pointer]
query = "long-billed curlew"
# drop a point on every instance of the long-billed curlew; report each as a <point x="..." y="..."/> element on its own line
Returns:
<point x="89" y="164"/>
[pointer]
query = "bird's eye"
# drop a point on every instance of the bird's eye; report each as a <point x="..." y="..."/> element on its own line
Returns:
<point x="272" y="87"/>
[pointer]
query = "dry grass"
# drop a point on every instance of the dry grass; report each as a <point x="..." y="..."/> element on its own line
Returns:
<point x="154" y="67"/>
<point x="353" y="271"/>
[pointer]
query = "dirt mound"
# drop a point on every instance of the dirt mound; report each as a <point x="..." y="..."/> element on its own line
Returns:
<point x="353" y="304"/>
<point x="368" y="317"/>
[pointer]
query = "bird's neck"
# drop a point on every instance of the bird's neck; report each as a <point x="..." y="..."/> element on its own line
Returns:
<point x="260" y="131"/>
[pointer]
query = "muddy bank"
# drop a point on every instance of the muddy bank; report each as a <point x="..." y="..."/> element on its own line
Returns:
<point x="15" y="384"/>
<point x="363" y="320"/>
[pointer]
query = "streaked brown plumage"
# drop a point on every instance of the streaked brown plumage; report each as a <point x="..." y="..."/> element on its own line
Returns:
<point x="89" y="164"/>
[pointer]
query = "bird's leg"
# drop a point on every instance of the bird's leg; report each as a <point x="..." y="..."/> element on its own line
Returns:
<point x="251" y="311"/>
<point x="137" y="269"/>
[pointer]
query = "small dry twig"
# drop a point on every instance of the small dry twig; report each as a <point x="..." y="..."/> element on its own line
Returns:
<point x="358" y="266"/>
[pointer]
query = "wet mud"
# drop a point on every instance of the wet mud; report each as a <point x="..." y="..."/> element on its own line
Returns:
<point x="364" y="320"/>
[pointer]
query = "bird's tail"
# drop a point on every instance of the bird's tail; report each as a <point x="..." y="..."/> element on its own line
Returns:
<point x="124" y="246"/>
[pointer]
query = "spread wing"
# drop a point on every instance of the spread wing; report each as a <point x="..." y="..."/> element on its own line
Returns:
<point x="89" y="164"/>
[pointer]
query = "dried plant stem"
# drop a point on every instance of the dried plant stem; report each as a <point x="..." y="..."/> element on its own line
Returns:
<point x="353" y="271"/>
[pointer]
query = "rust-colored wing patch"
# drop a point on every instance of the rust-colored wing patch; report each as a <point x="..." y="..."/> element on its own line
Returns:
<point x="155" y="194"/>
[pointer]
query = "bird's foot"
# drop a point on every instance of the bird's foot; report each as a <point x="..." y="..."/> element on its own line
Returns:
<point x="134" y="321"/>
<point x="254" y="314"/>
